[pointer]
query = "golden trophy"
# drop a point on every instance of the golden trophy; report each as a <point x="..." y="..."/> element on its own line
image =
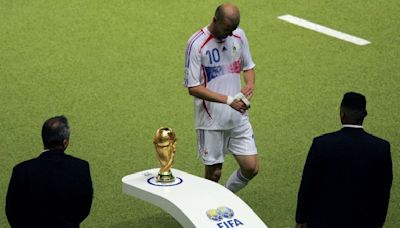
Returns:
<point x="165" y="144"/>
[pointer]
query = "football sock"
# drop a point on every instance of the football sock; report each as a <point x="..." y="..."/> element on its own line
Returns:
<point x="236" y="181"/>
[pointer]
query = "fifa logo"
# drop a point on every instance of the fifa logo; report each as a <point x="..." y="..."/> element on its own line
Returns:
<point x="223" y="215"/>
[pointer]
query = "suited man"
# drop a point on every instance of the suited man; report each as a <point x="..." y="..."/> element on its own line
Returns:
<point x="52" y="190"/>
<point x="347" y="175"/>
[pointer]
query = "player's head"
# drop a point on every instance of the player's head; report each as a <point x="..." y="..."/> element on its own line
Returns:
<point x="55" y="133"/>
<point x="353" y="108"/>
<point x="225" y="20"/>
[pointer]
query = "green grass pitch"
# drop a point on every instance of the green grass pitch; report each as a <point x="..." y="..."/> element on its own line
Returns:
<point x="115" y="69"/>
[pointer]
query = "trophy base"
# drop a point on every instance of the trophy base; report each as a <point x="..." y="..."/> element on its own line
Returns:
<point x="165" y="177"/>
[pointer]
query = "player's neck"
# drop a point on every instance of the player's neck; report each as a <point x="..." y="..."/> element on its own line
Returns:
<point x="211" y="28"/>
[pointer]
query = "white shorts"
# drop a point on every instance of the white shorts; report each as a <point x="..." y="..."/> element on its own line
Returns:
<point x="212" y="145"/>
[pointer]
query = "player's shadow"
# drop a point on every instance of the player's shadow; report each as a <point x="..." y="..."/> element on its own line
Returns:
<point x="156" y="220"/>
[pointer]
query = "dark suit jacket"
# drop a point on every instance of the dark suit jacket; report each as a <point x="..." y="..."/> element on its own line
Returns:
<point x="52" y="190"/>
<point x="346" y="181"/>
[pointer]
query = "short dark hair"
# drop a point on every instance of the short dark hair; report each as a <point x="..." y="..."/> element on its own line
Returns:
<point x="354" y="106"/>
<point x="219" y="13"/>
<point x="54" y="131"/>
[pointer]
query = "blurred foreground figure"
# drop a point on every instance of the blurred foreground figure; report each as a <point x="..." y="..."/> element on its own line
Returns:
<point x="347" y="176"/>
<point x="52" y="190"/>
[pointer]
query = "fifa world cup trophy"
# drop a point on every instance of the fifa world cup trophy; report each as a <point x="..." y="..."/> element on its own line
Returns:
<point x="165" y="144"/>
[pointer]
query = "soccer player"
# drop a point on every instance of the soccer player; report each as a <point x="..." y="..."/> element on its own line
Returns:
<point x="215" y="56"/>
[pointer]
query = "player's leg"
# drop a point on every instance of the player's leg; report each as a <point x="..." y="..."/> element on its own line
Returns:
<point x="213" y="172"/>
<point x="248" y="165"/>
<point x="242" y="145"/>
<point x="210" y="149"/>
<point x="248" y="169"/>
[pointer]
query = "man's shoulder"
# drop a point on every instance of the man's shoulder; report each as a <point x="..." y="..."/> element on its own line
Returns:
<point x="197" y="37"/>
<point x="26" y="164"/>
<point x="341" y="134"/>
<point x="40" y="160"/>
<point x="328" y="135"/>
<point x="376" y="139"/>
<point x="326" y="138"/>
<point x="238" y="32"/>
<point x="77" y="160"/>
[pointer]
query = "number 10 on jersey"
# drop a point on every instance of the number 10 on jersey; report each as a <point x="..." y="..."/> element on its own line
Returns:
<point x="213" y="55"/>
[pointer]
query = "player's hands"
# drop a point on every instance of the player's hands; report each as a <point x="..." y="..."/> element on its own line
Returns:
<point x="239" y="102"/>
<point x="248" y="91"/>
<point x="241" y="97"/>
<point x="239" y="106"/>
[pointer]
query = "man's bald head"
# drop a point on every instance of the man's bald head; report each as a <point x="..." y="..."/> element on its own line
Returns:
<point x="228" y="13"/>
<point x="225" y="21"/>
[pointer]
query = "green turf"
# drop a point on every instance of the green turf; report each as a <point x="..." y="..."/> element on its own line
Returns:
<point x="115" y="69"/>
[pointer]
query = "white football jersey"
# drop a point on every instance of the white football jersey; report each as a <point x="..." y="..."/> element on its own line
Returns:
<point x="216" y="64"/>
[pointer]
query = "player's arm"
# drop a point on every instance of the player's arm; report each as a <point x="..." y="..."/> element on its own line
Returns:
<point x="247" y="64"/>
<point x="203" y="93"/>
<point x="249" y="80"/>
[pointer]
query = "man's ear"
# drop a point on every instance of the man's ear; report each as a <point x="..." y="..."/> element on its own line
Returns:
<point x="66" y="143"/>
<point x="342" y="116"/>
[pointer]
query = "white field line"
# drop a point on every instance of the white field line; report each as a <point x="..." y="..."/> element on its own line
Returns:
<point x="322" y="29"/>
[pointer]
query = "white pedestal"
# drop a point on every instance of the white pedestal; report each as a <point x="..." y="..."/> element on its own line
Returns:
<point x="189" y="198"/>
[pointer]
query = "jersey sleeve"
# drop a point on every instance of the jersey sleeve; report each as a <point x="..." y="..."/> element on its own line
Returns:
<point x="192" y="75"/>
<point x="246" y="61"/>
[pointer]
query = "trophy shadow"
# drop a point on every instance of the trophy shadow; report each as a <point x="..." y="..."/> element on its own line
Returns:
<point x="156" y="220"/>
